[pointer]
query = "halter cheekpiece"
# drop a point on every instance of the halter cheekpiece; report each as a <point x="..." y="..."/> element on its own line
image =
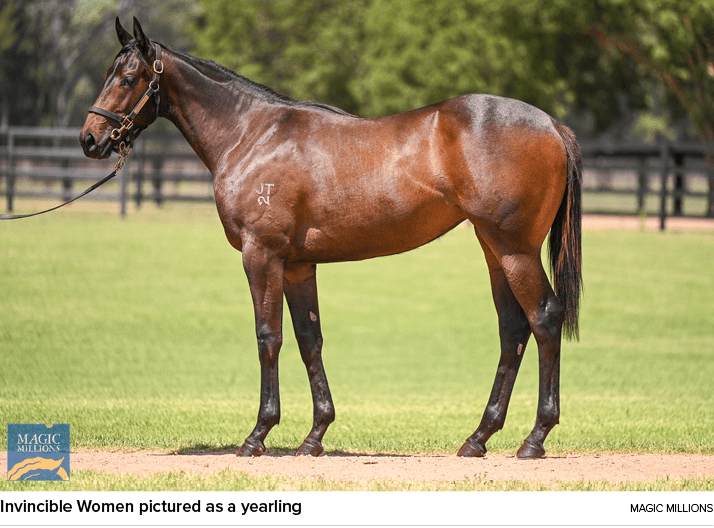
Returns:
<point x="126" y="123"/>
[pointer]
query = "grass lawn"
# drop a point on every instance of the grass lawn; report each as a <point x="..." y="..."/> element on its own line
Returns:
<point x="139" y="333"/>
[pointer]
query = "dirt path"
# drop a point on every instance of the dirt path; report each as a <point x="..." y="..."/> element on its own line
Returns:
<point x="650" y="223"/>
<point x="613" y="468"/>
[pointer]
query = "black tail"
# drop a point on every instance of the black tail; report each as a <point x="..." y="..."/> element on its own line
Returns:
<point x="565" y="238"/>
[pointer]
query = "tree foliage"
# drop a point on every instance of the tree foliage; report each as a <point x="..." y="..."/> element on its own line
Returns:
<point x="420" y="52"/>
<point x="307" y="49"/>
<point x="596" y="63"/>
<point x="670" y="41"/>
<point x="375" y="57"/>
<point x="53" y="53"/>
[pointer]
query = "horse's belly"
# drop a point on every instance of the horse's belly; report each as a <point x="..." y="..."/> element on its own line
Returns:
<point x="354" y="238"/>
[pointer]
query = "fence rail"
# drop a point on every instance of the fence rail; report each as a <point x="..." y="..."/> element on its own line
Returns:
<point x="668" y="179"/>
<point x="669" y="172"/>
<point x="48" y="162"/>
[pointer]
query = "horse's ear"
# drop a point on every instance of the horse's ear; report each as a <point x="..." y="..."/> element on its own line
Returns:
<point x="123" y="34"/>
<point x="141" y="40"/>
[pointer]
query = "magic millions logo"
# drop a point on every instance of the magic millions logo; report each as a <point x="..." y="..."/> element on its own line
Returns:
<point x="38" y="452"/>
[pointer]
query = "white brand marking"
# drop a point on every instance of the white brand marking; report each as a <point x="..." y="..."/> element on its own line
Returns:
<point x="264" y="188"/>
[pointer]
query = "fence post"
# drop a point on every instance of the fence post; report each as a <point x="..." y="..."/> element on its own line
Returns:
<point x="10" y="190"/>
<point x="708" y="152"/>
<point x="664" y="159"/>
<point x="679" y="184"/>
<point x="642" y="184"/>
<point x="710" y="198"/>
<point x="139" y="175"/>
<point x="66" y="183"/>
<point x="156" y="179"/>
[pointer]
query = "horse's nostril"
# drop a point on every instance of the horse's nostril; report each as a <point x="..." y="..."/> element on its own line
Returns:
<point x="89" y="140"/>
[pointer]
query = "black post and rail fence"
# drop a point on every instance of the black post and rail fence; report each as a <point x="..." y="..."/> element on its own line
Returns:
<point x="47" y="165"/>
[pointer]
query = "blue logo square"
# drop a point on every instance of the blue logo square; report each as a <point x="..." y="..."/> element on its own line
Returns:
<point x="37" y="452"/>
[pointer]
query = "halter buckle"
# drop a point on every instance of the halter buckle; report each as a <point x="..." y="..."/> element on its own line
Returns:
<point x="158" y="67"/>
<point x="127" y="123"/>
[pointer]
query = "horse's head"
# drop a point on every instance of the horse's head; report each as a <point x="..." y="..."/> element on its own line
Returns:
<point x="129" y="99"/>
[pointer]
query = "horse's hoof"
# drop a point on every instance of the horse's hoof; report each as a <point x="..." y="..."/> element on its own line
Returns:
<point x="251" y="449"/>
<point x="310" y="449"/>
<point x="530" y="451"/>
<point x="472" y="449"/>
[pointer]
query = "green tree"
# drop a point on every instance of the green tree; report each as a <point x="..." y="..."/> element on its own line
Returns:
<point x="14" y="56"/>
<point x="307" y="49"/>
<point x="375" y="57"/>
<point x="421" y="51"/>
<point x="418" y="52"/>
<point x="672" y="42"/>
<point x="53" y="53"/>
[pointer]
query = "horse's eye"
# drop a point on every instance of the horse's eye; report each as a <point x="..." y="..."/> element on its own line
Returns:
<point x="128" y="81"/>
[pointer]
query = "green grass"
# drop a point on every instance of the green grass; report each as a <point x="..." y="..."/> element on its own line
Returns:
<point x="139" y="333"/>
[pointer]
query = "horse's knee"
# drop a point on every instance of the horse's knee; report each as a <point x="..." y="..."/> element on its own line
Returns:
<point x="269" y="344"/>
<point x="310" y="345"/>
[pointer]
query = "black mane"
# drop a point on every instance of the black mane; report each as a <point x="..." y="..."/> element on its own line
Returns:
<point x="221" y="71"/>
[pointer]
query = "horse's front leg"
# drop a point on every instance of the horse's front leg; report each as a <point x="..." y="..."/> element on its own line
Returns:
<point x="301" y="293"/>
<point x="265" y="277"/>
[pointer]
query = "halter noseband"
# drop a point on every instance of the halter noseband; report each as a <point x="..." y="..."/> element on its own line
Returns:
<point x="127" y="122"/>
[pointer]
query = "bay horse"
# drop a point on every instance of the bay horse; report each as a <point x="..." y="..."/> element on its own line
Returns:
<point x="298" y="183"/>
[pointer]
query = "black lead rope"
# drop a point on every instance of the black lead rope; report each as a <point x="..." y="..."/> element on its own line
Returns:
<point x="119" y="164"/>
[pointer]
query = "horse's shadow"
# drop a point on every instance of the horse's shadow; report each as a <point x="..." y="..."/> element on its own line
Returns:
<point x="282" y="452"/>
<point x="278" y="452"/>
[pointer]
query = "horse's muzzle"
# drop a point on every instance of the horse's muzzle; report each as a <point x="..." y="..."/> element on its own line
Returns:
<point x="95" y="148"/>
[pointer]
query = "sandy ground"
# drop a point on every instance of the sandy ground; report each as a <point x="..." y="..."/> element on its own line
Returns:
<point x="649" y="223"/>
<point x="613" y="468"/>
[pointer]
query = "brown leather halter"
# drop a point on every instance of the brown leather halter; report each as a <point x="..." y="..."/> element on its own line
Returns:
<point x="126" y="123"/>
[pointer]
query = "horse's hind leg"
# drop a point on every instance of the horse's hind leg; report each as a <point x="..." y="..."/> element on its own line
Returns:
<point x="529" y="283"/>
<point x="523" y="269"/>
<point x="514" y="332"/>
<point x="300" y="287"/>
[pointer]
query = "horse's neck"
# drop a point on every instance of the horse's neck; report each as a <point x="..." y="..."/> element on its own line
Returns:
<point x="209" y="113"/>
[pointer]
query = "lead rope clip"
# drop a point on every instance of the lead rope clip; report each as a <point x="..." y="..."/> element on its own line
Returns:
<point x="124" y="152"/>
